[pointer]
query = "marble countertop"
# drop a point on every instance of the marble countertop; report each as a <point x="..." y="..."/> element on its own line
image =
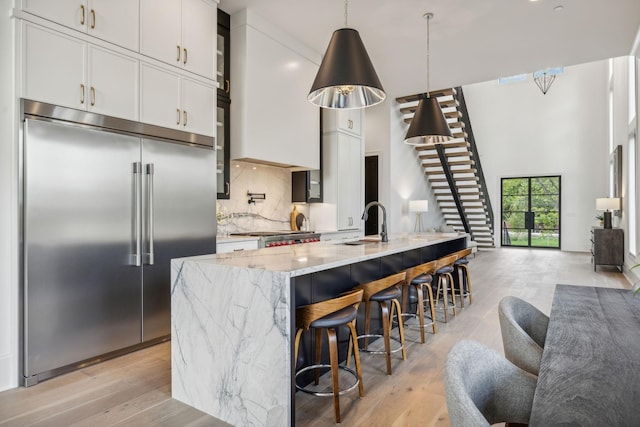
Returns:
<point x="308" y="258"/>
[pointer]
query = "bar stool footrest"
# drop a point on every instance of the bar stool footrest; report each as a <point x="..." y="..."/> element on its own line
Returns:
<point x="327" y="394"/>
<point x="393" y="350"/>
<point x="411" y="326"/>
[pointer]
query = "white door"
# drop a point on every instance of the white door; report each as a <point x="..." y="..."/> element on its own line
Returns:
<point x="159" y="97"/>
<point x="349" y="178"/>
<point x="197" y="106"/>
<point x="160" y="30"/>
<point x="115" y="21"/>
<point x="199" y="35"/>
<point x="70" y="13"/>
<point x="113" y="84"/>
<point x="53" y="67"/>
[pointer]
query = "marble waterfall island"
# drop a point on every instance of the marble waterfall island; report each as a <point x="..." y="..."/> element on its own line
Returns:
<point x="233" y="318"/>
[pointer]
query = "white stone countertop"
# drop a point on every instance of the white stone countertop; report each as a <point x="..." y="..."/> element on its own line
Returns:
<point x="308" y="258"/>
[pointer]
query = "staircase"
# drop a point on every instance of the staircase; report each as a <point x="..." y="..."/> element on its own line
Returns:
<point x="453" y="169"/>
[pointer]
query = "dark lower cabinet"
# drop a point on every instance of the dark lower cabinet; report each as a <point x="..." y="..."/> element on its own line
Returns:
<point x="607" y="247"/>
<point x="328" y="284"/>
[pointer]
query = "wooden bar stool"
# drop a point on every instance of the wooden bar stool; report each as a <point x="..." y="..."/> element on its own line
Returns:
<point x="444" y="278"/>
<point x="329" y="315"/>
<point x="419" y="278"/>
<point x="386" y="293"/>
<point x="463" y="276"/>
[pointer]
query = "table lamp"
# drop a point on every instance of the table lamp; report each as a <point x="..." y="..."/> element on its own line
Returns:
<point x="418" y="206"/>
<point x="607" y="204"/>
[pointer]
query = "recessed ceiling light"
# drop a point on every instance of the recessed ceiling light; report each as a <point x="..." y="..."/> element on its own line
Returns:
<point x="558" y="8"/>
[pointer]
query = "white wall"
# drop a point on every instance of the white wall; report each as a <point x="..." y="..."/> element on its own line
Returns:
<point x="8" y="203"/>
<point x="521" y="132"/>
<point x="402" y="177"/>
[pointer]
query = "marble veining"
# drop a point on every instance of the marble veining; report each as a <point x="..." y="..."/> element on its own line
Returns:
<point x="231" y="343"/>
<point x="231" y="319"/>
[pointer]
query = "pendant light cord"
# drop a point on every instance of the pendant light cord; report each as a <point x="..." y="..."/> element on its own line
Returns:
<point x="346" y="13"/>
<point x="428" y="16"/>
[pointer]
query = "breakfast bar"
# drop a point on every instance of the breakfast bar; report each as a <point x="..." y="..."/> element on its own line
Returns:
<point x="233" y="317"/>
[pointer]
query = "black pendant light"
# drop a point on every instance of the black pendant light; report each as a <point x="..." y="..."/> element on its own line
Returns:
<point x="428" y="125"/>
<point x="346" y="78"/>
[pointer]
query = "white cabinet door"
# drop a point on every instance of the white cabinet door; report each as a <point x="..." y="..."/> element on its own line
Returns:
<point x="198" y="107"/>
<point x="199" y="35"/>
<point x="170" y="100"/>
<point x="246" y="245"/>
<point x="115" y="21"/>
<point x="348" y="120"/>
<point x="349" y="182"/>
<point x="160" y="30"/>
<point x="53" y="67"/>
<point x="70" y="13"/>
<point x="159" y="97"/>
<point x="113" y="84"/>
<point x="180" y="33"/>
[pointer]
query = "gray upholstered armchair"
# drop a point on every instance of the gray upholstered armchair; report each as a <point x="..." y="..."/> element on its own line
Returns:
<point x="524" y="330"/>
<point x="484" y="388"/>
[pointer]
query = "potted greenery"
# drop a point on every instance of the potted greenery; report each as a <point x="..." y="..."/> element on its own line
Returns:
<point x="600" y="218"/>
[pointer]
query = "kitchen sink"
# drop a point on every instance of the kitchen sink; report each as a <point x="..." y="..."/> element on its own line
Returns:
<point x="361" y="242"/>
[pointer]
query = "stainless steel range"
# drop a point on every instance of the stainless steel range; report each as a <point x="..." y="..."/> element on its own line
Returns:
<point x="269" y="239"/>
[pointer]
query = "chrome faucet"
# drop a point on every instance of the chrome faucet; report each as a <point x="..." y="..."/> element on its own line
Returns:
<point x="365" y="215"/>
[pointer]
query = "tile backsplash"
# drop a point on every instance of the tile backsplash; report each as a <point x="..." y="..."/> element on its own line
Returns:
<point x="272" y="213"/>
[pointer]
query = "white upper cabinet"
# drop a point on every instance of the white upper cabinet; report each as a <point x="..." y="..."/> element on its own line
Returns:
<point x="63" y="70"/>
<point x="115" y="21"/>
<point x="175" y="101"/>
<point x="181" y="33"/>
<point x="271" y="120"/>
<point x="347" y="120"/>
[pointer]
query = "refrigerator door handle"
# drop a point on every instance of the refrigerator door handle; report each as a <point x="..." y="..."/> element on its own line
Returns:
<point x="150" y="210"/>
<point x="137" y="203"/>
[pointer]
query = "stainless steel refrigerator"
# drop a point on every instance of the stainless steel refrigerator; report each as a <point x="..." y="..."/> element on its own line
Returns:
<point x="106" y="204"/>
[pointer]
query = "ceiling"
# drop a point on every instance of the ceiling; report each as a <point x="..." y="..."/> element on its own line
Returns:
<point x="471" y="41"/>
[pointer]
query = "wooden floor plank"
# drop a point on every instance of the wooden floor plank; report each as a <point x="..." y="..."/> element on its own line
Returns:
<point x="135" y="389"/>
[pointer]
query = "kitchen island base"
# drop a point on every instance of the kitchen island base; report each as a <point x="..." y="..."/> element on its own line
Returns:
<point x="233" y="318"/>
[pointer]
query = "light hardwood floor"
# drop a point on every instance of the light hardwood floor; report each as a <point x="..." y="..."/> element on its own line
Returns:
<point x="135" y="389"/>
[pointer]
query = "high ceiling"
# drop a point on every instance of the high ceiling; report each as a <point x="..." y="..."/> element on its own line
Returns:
<point x="471" y="40"/>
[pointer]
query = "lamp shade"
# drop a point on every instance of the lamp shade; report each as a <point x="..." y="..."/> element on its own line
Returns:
<point x="346" y="78"/>
<point x="608" y="203"/>
<point x="428" y="125"/>
<point x="418" y="206"/>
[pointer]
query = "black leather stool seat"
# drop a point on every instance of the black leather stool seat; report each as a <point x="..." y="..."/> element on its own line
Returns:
<point x="422" y="279"/>
<point x="444" y="270"/>
<point x="461" y="261"/>
<point x="390" y="293"/>
<point x="340" y="317"/>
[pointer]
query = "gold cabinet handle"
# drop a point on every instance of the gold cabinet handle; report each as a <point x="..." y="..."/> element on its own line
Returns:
<point x="93" y="96"/>
<point x="81" y="94"/>
<point x="185" y="56"/>
<point x="227" y="86"/>
<point x="228" y="188"/>
<point x="184" y="117"/>
<point x="178" y="121"/>
<point x="350" y="124"/>
<point x="178" y="56"/>
<point x="93" y="19"/>
<point x="82" y="15"/>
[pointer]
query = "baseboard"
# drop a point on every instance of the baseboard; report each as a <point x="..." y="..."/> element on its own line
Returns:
<point x="8" y="376"/>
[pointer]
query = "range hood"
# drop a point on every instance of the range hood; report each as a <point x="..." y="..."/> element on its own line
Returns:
<point x="272" y="123"/>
